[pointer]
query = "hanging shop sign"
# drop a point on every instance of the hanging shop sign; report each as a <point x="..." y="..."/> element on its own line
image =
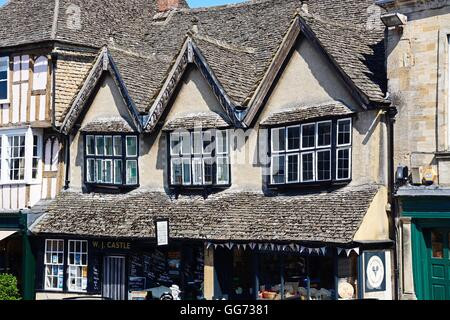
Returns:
<point x="162" y="232"/>
<point x="375" y="271"/>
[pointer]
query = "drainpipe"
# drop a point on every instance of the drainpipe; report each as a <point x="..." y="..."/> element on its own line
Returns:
<point x="67" y="161"/>
<point x="391" y="113"/>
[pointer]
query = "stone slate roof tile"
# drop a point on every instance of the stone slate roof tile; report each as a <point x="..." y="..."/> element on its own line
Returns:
<point x="302" y="113"/>
<point x="111" y="124"/>
<point x="332" y="216"/>
<point x="206" y="120"/>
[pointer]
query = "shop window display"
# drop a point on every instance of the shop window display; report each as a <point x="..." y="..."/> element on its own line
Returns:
<point x="348" y="277"/>
<point x="269" y="277"/>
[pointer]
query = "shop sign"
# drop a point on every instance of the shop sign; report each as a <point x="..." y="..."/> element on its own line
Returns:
<point x="375" y="275"/>
<point x="117" y="245"/>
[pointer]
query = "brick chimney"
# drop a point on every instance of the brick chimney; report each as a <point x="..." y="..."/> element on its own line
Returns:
<point x="167" y="5"/>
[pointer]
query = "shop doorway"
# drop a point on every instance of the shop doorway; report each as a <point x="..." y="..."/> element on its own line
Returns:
<point x="438" y="252"/>
<point x="114" y="282"/>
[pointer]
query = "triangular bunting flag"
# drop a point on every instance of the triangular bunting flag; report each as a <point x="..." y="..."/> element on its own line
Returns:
<point x="272" y="246"/>
<point x="260" y="246"/>
<point x="323" y="249"/>
<point x="244" y="246"/>
<point x="302" y="248"/>
<point x="317" y="250"/>
<point x="229" y="245"/>
<point x="208" y="244"/>
<point x="356" y="251"/>
<point x="347" y="251"/>
<point x="310" y="250"/>
<point x="215" y="246"/>
<point x="339" y="250"/>
<point x="293" y="247"/>
<point x="238" y="246"/>
<point x="252" y="246"/>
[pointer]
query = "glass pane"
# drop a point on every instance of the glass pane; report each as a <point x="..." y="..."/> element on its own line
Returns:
<point x="186" y="143"/>
<point x="108" y="174"/>
<point x="3" y="90"/>
<point x="197" y="142"/>
<point x="208" y="170"/>
<point x="108" y="146"/>
<point x="90" y="145"/>
<point x="99" y="170"/>
<point x="293" y="138"/>
<point x="308" y="136"/>
<point x="437" y="244"/>
<point x="208" y="146"/>
<point x="343" y="165"/>
<point x="222" y="141"/>
<point x="307" y="167"/>
<point x="177" y="171"/>
<point x="324" y="134"/>
<point x="324" y="165"/>
<point x="118" y="171"/>
<point x="344" y="132"/>
<point x="278" y="169"/>
<point x="131" y="172"/>
<point x="117" y="145"/>
<point x="278" y="139"/>
<point x="3" y="64"/>
<point x="223" y="171"/>
<point x="90" y="174"/>
<point x="292" y="167"/>
<point x="99" y="145"/>
<point x="186" y="171"/>
<point x="197" y="171"/>
<point x="175" y="145"/>
<point x="131" y="146"/>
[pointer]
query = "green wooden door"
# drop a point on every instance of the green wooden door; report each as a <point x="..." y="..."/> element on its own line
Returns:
<point x="438" y="242"/>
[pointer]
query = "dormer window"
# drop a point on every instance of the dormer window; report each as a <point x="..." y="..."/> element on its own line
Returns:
<point x="111" y="159"/>
<point x="199" y="158"/>
<point x="313" y="152"/>
<point x="4" y="79"/>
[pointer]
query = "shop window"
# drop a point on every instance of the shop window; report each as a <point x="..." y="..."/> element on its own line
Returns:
<point x="311" y="152"/>
<point x="199" y="158"/>
<point x="269" y="277"/>
<point x="321" y="278"/>
<point x="347" y="273"/>
<point x="437" y="244"/>
<point x="54" y="264"/>
<point x="77" y="265"/>
<point x="111" y="160"/>
<point x="295" y="278"/>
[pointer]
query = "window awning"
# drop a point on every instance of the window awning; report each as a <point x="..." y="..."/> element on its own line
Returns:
<point x="6" y="234"/>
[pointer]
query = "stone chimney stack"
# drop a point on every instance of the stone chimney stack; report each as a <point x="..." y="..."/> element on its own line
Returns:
<point x="168" y="5"/>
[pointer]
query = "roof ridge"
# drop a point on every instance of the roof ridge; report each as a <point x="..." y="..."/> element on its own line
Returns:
<point x="140" y="55"/>
<point x="228" y="6"/>
<point x="55" y="21"/>
<point x="224" y="44"/>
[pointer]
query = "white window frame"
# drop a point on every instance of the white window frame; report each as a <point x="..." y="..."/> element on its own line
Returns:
<point x="349" y="163"/>
<point x="53" y="264"/>
<point x="299" y="137"/>
<point x="313" y="164"/>
<point x="271" y="140"/>
<point x="204" y="161"/>
<point x="351" y="131"/>
<point x="195" y="162"/>
<point x="175" y="161"/>
<point x="317" y="165"/>
<point x="69" y="265"/>
<point x="8" y="81"/>
<point x="317" y="134"/>
<point x="183" y="160"/>
<point x="227" y="164"/>
<point x="226" y="143"/>
<point x="28" y="174"/>
<point x="277" y="155"/>
<point x="126" y="147"/>
<point x="287" y="167"/>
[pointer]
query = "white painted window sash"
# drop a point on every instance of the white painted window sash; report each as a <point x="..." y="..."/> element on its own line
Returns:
<point x="5" y="60"/>
<point x="337" y="132"/>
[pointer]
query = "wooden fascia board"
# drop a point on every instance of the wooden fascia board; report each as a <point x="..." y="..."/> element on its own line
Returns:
<point x="215" y="85"/>
<point x="359" y="96"/>
<point x="124" y="92"/>
<point x="272" y="72"/>
<point x="168" y="88"/>
<point x="83" y="94"/>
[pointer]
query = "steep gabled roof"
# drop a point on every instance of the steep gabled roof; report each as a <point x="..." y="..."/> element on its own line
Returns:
<point x="84" y="22"/>
<point x="103" y="64"/>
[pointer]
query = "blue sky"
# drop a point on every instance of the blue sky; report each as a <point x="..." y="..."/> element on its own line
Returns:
<point x="194" y="3"/>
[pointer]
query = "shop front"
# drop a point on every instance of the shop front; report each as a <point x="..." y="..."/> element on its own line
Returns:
<point x="425" y="226"/>
<point x="294" y="272"/>
<point x="15" y="253"/>
<point x="117" y="269"/>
